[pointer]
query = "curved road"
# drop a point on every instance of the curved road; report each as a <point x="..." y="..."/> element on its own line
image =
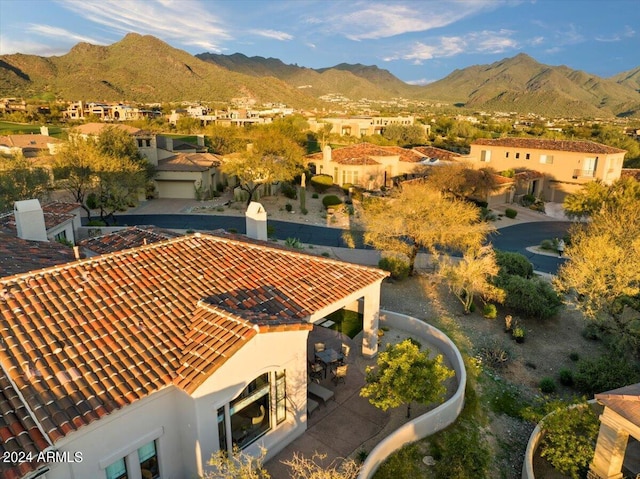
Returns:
<point x="514" y="238"/>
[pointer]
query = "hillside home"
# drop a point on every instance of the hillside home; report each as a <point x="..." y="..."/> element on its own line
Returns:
<point x="107" y="112"/>
<point x="562" y="166"/>
<point x="144" y="362"/>
<point x="367" y="165"/>
<point x="360" y="126"/>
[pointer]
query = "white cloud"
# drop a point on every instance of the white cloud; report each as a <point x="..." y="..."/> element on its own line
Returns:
<point x="374" y="20"/>
<point x="184" y="21"/>
<point x="274" y="34"/>
<point x="56" y="32"/>
<point x="9" y="46"/>
<point x="475" y="42"/>
<point x="311" y="45"/>
<point x="420" y="82"/>
<point x="616" y="37"/>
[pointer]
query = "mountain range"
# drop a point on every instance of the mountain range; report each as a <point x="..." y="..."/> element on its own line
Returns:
<point x="145" y="69"/>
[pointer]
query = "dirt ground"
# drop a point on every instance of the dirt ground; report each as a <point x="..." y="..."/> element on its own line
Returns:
<point x="544" y="353"/>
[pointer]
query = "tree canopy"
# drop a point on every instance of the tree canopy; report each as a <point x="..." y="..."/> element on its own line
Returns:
<point x="404" y="374"/>
<point x="595" y="194"/>
<point x="272" y="157"/>
<point x="462" y="181"/>
<point x="418" y="216"/>
<point x="20" y="180"/>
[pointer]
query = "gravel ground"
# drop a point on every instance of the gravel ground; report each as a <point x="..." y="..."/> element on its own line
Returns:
<point x="544" y="352"/>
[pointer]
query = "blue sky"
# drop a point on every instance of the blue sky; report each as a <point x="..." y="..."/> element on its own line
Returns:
<point x="417" y="40"/>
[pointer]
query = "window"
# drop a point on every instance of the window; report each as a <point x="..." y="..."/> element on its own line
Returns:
<point x="335" y="174"/>
<point x="149" y="461"/>
<point x="62" y="236"/>
<point x="527" y="156"/>
<point x="281" y="395"/>
<point x="117" y="470"/>
<point x="355" y="177"/>
<point x="517" y="156"/>
<point x="485" y="155"/>
<point x="546" y="159"/>
<point x="506" y="155"/>
<point x="589" y="167"/>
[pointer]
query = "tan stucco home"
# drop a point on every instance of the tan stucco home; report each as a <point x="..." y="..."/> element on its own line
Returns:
<point x="143" y="362"/>
<point x="563" y="166"/>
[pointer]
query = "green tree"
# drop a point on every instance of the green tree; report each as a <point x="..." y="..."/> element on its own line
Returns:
<point x="272" y="157"/>
<point x="569" y="433"/>
<point x="472" y="276"/>
<point x="224" y="140"/>
<point x="595" y="194"/>
<point x="188" y="125"/>
<point x="20" y="180"/>
<point x="405" y="135"/>
<point x="418" y="216"/>
<point x="462" y="181"/>
<point x="602" y="276"/>
<point x="404" y="374"/>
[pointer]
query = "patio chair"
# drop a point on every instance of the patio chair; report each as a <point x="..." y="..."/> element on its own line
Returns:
<point x="346" y="349"/>
<point x="315" y="371"/>
<point x="318" y="347"/>
<point x="339" y="374"/>
<point x="256" y="421"/>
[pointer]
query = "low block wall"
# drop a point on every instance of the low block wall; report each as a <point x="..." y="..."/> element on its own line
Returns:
<point x="434" y="420"/>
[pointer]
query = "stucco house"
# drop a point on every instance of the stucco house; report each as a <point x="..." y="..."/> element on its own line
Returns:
<point x="54" y="221"/>
<point x="29" y="145"/>
<point x="143" y="362"/>
<point x="367" y="165"/>
<point x="563" y="166"/>
<point x="360" y="126"/>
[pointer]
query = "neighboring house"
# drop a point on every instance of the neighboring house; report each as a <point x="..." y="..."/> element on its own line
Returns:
<point x="183" y="170"/>
<point x="619" y="435"/>
<point x="365" y="164"/>
<point x="564" y="166"/>
<point x="29" y="145"/>
<point x="56" y="221"/>
<point x="360" y="126"/>
<point x="107" y="112"/>
<point x="144" y="362"/>
<point x="21" y="256"/>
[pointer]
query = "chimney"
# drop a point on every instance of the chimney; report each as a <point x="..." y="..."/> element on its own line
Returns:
<point x="30" y="220"/>
<point x="44" y="130"/>
<point x="200" y="139"/>
<point x="169" y="143"/>
<point x="326" y="154"/>
<point x="256" y="221"/>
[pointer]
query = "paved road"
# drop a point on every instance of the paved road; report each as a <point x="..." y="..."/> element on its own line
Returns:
<point x="511" y="238"/>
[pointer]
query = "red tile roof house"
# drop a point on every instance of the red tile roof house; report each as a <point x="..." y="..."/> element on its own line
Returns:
<point x="560" y="167"/>
<point x="49" y="222"/>
<point x="158" y="356"/>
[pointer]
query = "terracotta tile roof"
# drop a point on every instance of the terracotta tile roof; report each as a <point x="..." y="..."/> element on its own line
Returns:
<point x="20" y="256"/>
<point x="439" y="153"/>
<point x="188" y="162"/>
<point x="578" y="146"/>
<point x="87" y="338"/>
<point x="51" y="220"/>
<point x="126" y="238"/>
<point x="630" y="173"/>
<point x="625" y="401"/>
<point x="96" y="128"/>
<point x="527" y="175"/>
<point x="30" y="140"/>
<point x="18" y="431"/>
<point x="60" y="207"/>
<point x="366" y="153"/>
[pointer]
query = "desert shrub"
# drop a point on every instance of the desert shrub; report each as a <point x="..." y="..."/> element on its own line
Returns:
<point x="569" y="436"/>
<point x="321" y="183"/>
<point x="508" y="173"/>
<point x="326" y="254"/>
<point x="514" y="263"/>
<point x="487" y="215"/>
<point x="315" y="195"/>
<point x="461" y="452"/>
<point x="494" y="354"/>
<point x="574" y="356"/>
<point x="607" y="372"/>
<point x="566" y="377"/>
<point x="288" y="207"/>
<point x="548" y="245"/>
<point x="472" y="308"/>
<point x="547" y="385"/>
<point x="528" y="200"/>
<point x="490" y="311"/>
<point x="405" y="462"/>
<point x="331" y="200"/>
<point x="304" y="211"/>
<point x="510" y="213"/>
<point x="293" y="243"/>
<point x="398" y="267"/>
<point x="534" y="297"/>
<point x="289" y="190"/>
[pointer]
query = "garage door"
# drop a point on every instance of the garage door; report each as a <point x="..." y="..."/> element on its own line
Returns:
<point x="176" y="189"/>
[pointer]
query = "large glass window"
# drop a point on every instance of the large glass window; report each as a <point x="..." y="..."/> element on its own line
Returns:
<point x="117" y="470"/>
<point x="281" y="397"/>
<point x="222" y="429"/>
<point x="250" y="412"/>
<point x="149" y="461"/>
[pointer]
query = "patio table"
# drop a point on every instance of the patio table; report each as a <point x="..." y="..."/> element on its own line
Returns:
<point x="328" y="357"/>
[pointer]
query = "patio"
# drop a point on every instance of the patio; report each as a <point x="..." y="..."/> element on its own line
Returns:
<point x="347" y="422"/>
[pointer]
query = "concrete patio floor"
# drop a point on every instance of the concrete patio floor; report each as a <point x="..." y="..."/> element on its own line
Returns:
<point x="349" y="423"/>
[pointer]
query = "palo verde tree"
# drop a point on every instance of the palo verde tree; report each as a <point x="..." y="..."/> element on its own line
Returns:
<point x="460" y="180"/>
<point x="272" y="157"/>
<point x="595" y="194"/>
<point x="20" y="180"/>
<point x="602" y="276"/>
<point x="404" y="374"/>
<point x="418" y="216"/>
<point x="472" y="276"/>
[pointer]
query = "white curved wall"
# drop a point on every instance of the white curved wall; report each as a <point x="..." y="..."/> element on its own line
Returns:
<point x="436" y="419"/>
